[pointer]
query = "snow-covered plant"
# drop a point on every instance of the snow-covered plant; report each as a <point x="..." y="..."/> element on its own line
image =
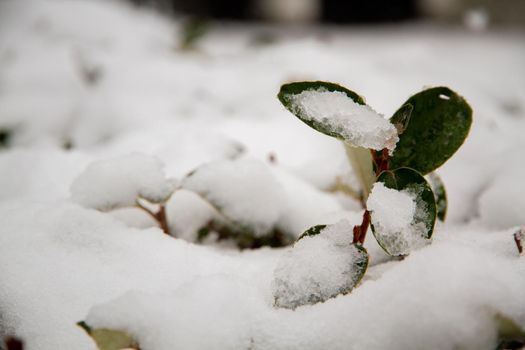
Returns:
<point x="244" y="194"/>
<point x="390" y="158"/>
<point x="135" y="180"/>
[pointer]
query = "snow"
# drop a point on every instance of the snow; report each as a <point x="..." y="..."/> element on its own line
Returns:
<point x="61" y="262"/>
<point x="243" y="190"/>
<point x="121" y="182"/>
<point x="397" y="218"/>
<point x="359" y="124"/>
<point x="318" y="267"/>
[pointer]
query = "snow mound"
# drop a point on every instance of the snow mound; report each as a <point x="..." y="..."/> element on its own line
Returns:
<point x="120" y="182"/>
<point x="359" y="124"/>
<point x="396" y="217"/>
<point x="318" y="267"/>
<point x="506" y="188"/>
<point x="243" y="190"/>
<point x="230" y="303"/>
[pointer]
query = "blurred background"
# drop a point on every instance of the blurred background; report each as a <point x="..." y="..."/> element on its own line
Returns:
<point x="191" y="81"/>
<point x="473" y="12"/>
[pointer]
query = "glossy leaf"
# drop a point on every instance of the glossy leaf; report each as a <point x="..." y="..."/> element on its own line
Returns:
<point x="439" y="123"/>
<point x="312" y="231"/>
<point x="440" y="195"/>
<point x="422" y="225"/>
<point x="109" y="339"/>
<point x="289" y="90"/>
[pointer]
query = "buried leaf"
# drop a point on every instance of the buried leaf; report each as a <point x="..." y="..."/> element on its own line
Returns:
<point x="439" y="123"/>
<point x="244" y="191"/>
<point x="510" y="334"/>
<point x="321" y="265"/>
<point x="402" y="210"/>
<point x="440" y="195"/>
<point x="338" y="112"/>
<point x="312" y="231"/>
<point x="109" y="339"/>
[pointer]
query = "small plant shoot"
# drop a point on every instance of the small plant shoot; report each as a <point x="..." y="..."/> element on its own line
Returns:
<point x="390" y="158"/>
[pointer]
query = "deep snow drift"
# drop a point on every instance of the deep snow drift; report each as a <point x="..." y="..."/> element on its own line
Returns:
<point x="108" y="99"/>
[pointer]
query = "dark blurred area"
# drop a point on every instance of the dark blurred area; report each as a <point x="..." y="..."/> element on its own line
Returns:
<point x="506" y="12"/>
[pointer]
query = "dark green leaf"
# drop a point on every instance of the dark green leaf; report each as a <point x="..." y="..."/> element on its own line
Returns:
<point x="312" y="231"/>
<point x="440" y="195"/>
<point x="401" y="118"/>
<point x="288" y="91"/>
<point x="109" y="339"/>
<point x="510" y="334"/>
<point x="439" y="123"/>
<point x="400" y="243"/>
<point x="5" y="137"/>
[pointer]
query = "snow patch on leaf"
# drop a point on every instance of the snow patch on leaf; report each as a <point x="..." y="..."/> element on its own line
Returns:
<point x="319" y="267"/>
<point x="398" y="218"/>
<point x="243" y="190"/>
<point x="358" y="124"/>
<point x="119" y="182"/>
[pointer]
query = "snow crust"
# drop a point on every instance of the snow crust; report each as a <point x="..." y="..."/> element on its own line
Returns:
<point x="396" y="216"/>
<point x="120" y="182"/>
<point x="359" y="124"/>
<point x="244" y="190"/>
<point x="318" y="267"/>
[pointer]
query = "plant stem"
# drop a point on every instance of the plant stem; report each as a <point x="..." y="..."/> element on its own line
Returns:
<point x="159" y="216"/>
<point x="381" y="163"/>
<point x="518" y="239"/>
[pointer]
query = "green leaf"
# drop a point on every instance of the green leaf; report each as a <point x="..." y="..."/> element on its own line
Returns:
<point x="510" y="334"/>
<point x="401" y="118"/>
<point x="109" y="339"/>
<point x="440" y="195"/>
<point x="5" y="138"/>
<point x="439" y="123"/>
<point x="312" y="231"/>
<point x="422" y="225"/>
<point x="360" y="265"/>
<point x="288" y="91"/>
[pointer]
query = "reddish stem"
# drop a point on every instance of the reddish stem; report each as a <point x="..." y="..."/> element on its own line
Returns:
<point x="159" y="216"/>
<point x="381" y="162"/>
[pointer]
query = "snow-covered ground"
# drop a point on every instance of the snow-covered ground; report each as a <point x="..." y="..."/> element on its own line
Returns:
<point x="84" y="81"/>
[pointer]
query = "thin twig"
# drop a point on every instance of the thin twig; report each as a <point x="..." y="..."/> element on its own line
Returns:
<point x="519" y="236"/>
<point x="160" y="216"/>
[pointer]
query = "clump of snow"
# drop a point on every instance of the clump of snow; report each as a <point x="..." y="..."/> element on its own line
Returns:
<point x="120" y="182"/>
<point x="243" y="190"/>
<point x="359" y="124"/>
<point x="397" y="218"/>
<point x="318" y="267"/>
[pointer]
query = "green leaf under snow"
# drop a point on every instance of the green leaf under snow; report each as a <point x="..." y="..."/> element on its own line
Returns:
<point x="109" y="339"/>
<point x="439" y="123"/>
<point x="289" y="91"/>
<point x="338" y="112"/>
<point x="440" y="195"/>
<point x="402" y="211"/>
<point x="312" y="231"/>
<point x="510" y="334"/>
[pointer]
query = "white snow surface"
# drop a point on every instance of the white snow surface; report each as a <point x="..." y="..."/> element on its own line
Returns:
<point x="396" y="218"/>
<point x="121" y="182"/>
<point x="359" y="124"/>
<point x="318" y="267"/>
<point x="61" y="262"/>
